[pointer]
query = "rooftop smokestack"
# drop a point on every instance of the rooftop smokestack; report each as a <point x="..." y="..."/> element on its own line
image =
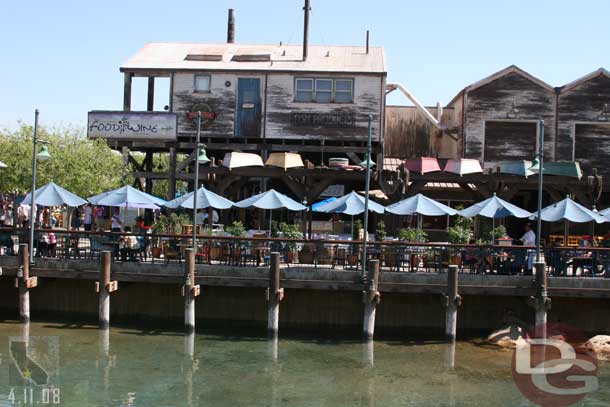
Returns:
<point x="367" y="41"/>
<point x="231" y="27"/>
<point x="306" y="9"/>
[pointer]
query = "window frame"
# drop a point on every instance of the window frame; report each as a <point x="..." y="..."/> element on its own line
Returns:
<point x="333" y="91"/>
<point x="196" y="76"/>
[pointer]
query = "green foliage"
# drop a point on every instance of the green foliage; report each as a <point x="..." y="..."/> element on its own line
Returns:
<point x="357" y="227"/>
<point x="380" y="232"/>
<point x="171" y="223"/>
<point x="236" y="229"/>
<point x="288" y="231"/>
<point x="413" y="235"/>
<point x="462" y="230"/>
<point x="83" y="166"/>
<point x="490" y="235"/>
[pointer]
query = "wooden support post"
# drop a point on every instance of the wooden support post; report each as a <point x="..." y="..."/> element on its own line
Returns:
<point x="189" y="291"/>
<point x="275" y="295"/>
<point x="453" y="301"/>
<point x="24" y="282"/>
<point x="371" y="297"/>
<point x="150" y="100"/>
<point x="104" y="287"/>
<point x="149" y="169"/>
<point x="127" y="91"/>
<point x="171" y="187"/>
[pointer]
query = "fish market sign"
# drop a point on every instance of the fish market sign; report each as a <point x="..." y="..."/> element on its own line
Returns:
<point x="132" y="125"/>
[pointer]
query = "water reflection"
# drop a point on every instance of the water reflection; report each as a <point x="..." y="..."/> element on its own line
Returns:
<point x="105" y="361"/>
<point x="368" y="353"/>
<point x="450" y="356"/>
<point x="272" y="348"/>
<point x="189" y="366"/>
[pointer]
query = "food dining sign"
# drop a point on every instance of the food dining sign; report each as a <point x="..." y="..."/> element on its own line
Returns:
<point x="132" y="125"/>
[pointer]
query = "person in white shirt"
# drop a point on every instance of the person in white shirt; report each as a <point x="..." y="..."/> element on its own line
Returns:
<point x="529" y="238"/>
<point x="117" y="220"/>
<point x="88" y="211"/>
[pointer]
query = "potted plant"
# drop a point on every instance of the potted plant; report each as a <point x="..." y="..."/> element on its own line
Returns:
<point x="460" y="233"/>
<point x="161" y="226"/>
<point x="289" y="231"/>
<point x="380" y="232"/>
<point x="413" y="235"/>
<point x="352" y="258"/>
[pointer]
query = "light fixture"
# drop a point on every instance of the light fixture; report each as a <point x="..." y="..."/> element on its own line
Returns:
<point x="44" y="153"/>
<point x="203" y="156"/>
<point x="367" y="162"/>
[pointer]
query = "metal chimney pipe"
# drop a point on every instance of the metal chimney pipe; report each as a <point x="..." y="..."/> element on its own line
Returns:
<point x="231" y="27"/>
<point x="306" y="9"/>
<point x="367" y="41"/>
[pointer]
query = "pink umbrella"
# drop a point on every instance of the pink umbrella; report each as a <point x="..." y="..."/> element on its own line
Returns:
<point x="422" y="165"/>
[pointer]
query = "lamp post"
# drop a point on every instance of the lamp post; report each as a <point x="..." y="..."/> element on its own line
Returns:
<point x="540" y="170"/>
<point x="203" y="159"/>
<point x="43" y="155"/>
<point x="367" y="163"/>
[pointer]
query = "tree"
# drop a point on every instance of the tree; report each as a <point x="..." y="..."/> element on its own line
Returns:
<point x="83" y="166"/>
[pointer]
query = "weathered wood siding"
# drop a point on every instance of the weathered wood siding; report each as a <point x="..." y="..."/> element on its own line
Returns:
<point x="369" y="93"/>
<point x="409" y="134"/>
<point x="499" y="137"/>
<point x="278" y="106"/>
<point x="510" y="95"/>
<point x="580" y="116"/>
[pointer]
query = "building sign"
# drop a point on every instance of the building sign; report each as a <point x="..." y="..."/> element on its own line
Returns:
<point x="341" y="120"/>
<point x="132" y="125"/>
<point x="334" y="190"/>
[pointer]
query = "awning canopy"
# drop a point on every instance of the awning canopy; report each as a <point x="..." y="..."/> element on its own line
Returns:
<point x="285" y="160"/>
<point x="521" y="167"/>
<point x="463" y="166"/>
<point x="236" y="159"/>
<point x="422" y="164"/>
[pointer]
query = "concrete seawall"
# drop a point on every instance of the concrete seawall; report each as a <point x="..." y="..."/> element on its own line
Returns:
<point x="318" y="300"/>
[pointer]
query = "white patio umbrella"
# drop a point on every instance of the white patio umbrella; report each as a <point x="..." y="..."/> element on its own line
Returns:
<point x="271" y="200"/>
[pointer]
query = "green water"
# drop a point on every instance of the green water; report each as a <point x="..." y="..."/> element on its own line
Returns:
<point x="154" y="368"/>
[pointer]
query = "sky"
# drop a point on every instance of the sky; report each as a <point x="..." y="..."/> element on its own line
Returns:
<point x="63" y="57"/>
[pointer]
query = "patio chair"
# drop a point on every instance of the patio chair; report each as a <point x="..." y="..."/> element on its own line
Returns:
<point x="340" y="257"/>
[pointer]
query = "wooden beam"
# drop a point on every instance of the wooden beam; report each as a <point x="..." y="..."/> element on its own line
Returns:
<point x="150" y="101"/>
<point x="415" y="187"/>
<point x="171" y="188"/>
<point x="127" y="91"/>
<point x="186" y="162"/>
<point x="296" y="187"/>
<point x="473" y="194"/>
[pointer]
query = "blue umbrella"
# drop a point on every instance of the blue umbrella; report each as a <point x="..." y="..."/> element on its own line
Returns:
<point x="494" y="208"/>
<point x="317" y="205"/>
<point x="205" y="199"/>
<point x="350" y="204"/>
<point x="271" y="200"/>
<point x="54" y="195"/>
<point x="421" y="205"/>
<point x="571" y="211"/>
<point x="128" y="197"/>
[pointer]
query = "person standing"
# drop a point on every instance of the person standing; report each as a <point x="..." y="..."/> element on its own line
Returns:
<point x="88" y="222"/>
<point x="117" y="220"/>
<point x="529" y="239"/>
<point x="99" y="218"/>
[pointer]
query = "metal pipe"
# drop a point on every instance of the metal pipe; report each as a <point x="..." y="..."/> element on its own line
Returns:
<point x="366" y="196"/>
<point x="367" y="41"/>
<point x="540" y="170"/>
<point x="418" y="105"/>
<point x="306" y="9"/>
<point x="33" y="192"/>
<point x="196" y="184"/>
<point x="231" y="27"/>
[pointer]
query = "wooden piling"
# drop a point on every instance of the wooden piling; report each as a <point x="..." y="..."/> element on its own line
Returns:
<point x="453" y="301"/>
<point x="24" y="282"/>
<point x="275" y="294"/>
<point x="104" y="287"/>
<point x="190" y="290"/>
<point x="371" y="297"/>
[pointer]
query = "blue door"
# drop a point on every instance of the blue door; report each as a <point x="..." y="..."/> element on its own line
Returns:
<point x="248" y="108"/>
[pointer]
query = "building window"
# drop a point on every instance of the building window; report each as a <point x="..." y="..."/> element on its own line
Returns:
<point x="202" y="83"/>
<point x="324" y="90"/>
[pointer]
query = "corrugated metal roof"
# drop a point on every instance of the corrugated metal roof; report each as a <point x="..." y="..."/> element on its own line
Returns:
<point x="321" y="58"/>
